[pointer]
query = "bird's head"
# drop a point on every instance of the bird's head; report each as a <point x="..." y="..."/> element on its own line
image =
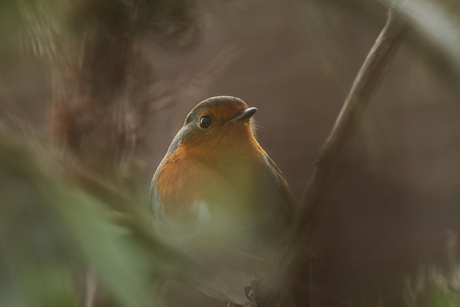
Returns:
<point x="218" y="124"/>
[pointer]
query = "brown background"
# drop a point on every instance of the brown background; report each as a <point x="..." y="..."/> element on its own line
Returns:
<point x="399" y="197"/>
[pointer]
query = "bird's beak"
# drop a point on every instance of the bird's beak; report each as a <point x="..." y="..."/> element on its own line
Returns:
<point x="246" y="114"/>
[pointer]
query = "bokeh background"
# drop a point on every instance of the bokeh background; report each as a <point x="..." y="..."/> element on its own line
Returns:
<point x="98" y="89"/>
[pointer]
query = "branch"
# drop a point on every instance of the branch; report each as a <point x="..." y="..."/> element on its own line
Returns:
<point x="294" y="261"/>
<point x="333" y="158"/>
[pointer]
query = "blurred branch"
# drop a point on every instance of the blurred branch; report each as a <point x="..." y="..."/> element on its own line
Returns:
<point x="435" y="34"/>
<point x="331" y="164"/>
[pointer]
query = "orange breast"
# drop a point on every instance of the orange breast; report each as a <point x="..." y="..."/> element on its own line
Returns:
<point x="226" y="180"/>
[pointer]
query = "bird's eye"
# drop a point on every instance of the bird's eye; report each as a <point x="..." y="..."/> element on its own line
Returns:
<point x="205" y="122"/>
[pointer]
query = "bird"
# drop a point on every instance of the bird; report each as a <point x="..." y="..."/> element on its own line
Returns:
<point x="218" y="197"/>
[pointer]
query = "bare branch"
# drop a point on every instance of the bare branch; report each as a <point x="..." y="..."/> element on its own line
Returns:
<point x="294" y="261"/>
<point x="333" y="159"/>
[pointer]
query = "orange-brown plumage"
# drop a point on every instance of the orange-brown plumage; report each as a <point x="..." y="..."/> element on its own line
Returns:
<point x="218" y="179"/>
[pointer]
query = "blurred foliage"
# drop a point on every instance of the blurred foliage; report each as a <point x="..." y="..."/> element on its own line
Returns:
<point x="52" y="234"/>
<point x="101" y="80"/>
<point x="436" y="286"/>
<point x="64" y="231"/>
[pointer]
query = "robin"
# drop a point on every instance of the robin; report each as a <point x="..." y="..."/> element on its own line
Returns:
<point x="219" y="197"/>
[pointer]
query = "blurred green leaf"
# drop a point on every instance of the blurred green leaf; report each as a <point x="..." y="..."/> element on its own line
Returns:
<point x="51" y="232"/>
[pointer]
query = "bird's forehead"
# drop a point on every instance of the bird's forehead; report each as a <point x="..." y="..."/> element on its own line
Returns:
<point x="220" y="108"/>
<point x="223" y="112"/>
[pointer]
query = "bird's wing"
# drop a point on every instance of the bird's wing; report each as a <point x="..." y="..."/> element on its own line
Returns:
<point x="280" y="195"/>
